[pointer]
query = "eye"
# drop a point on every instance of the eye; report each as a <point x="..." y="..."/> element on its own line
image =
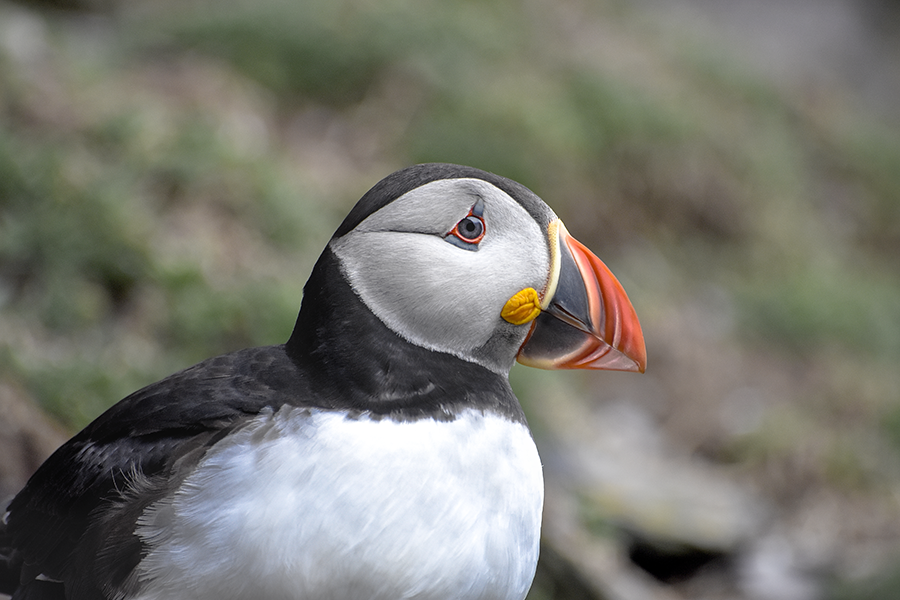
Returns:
<point x="467" y="233"/>
<point x="470" y="229"/>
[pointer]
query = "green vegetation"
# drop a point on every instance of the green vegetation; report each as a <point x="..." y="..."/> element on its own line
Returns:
<point x="169" y="172"/>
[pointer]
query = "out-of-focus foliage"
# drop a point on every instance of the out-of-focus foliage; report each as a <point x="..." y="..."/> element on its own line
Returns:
<point x="170" y="170"/>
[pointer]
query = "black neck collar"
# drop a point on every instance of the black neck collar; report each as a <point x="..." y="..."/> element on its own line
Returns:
<point x="354" y="361"/>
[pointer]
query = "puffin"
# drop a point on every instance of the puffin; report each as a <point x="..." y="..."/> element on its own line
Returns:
<point x="379" y="454"/>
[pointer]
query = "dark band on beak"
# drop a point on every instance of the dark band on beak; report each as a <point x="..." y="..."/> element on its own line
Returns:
<point x="588" y="321"/>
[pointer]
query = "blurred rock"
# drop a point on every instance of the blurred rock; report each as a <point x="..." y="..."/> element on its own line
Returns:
<point x="598" y="561"/>
<point x="23" y="34"/>
<point x="638" y="518"/>
<point x="770" y="570"/>
<point x="625" y="473"/>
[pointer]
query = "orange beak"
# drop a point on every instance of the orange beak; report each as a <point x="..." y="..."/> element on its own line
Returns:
<point x="587" y="321"/>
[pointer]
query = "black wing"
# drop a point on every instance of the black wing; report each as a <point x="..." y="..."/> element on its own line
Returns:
<point x="77" y="513"/>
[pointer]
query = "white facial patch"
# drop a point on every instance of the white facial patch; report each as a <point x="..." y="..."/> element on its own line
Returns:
<point x="434" y="293"/>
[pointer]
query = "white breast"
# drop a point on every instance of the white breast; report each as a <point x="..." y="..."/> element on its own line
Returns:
<point x="312" y="505"/>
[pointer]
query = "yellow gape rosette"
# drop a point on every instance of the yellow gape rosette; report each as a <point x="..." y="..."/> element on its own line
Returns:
<point x="523" y="307"/>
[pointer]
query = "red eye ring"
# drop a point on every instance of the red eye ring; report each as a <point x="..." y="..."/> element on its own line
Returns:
<point x="470" y="230"/>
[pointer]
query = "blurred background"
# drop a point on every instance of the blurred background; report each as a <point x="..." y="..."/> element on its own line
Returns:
<point x="170" y="170"/>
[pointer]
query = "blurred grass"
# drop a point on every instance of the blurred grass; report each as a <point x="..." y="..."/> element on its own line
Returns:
<point x="96" y="241"/>
<point x="169" y="172"/>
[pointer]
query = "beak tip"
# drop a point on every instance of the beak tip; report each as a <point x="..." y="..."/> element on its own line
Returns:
<point x="635" y="348"/>
<point x="640" y="366"/>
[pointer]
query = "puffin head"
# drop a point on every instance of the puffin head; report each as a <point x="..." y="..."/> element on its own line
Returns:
<point x="460" y="261"/>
